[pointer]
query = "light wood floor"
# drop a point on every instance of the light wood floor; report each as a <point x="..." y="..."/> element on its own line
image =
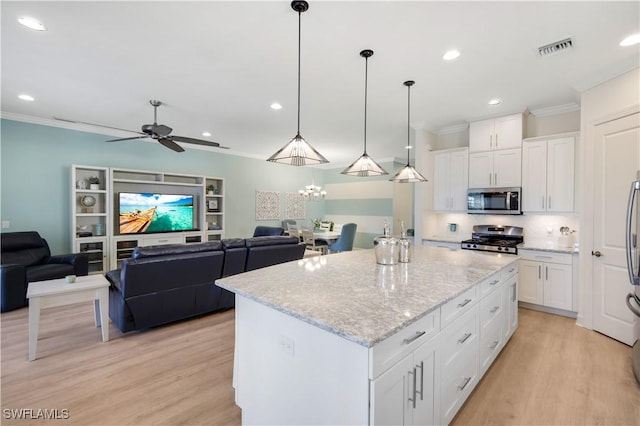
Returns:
<point x="551" y="372"/>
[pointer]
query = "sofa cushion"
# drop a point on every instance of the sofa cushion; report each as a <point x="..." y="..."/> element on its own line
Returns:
<point x="24" y="248"/>
<point x="50" y="271"/>
<point x="270" y="241"/>
<point x="228" y="243"/>
<point x="173" y="249"/>
<point x="12" y="241"/>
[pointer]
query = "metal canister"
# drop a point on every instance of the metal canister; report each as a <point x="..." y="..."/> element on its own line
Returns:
<point x="404" y="245"/>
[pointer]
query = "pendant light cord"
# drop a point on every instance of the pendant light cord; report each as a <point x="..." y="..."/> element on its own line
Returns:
<point x="366" y="67"/>
<point x="299" y="42"/>
<point x="408" y="121"/>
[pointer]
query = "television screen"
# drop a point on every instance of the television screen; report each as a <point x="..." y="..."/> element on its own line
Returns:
<point x="142" y="212"/>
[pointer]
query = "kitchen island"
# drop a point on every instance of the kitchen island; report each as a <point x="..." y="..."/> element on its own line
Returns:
<point x="341" y="340"/>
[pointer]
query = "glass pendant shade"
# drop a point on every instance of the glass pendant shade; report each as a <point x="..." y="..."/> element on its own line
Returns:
<point x="365" y="166"/>
<point x="298" y="152"/>
<point x="408" y="174"/>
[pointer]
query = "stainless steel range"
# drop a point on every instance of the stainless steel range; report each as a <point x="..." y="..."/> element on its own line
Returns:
<point x="500" y="239"/>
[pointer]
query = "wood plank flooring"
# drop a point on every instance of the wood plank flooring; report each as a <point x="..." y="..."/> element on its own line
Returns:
<point x="551" y="372"/>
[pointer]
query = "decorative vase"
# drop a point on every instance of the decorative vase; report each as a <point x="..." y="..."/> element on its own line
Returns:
<point x="94" y="186"/>
<point x="386" y="248"/>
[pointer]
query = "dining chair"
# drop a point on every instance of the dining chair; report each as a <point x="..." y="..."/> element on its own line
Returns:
<point x="312" y="243"/>
<point x="292" y="230"/>
<point x="345" y="241"/>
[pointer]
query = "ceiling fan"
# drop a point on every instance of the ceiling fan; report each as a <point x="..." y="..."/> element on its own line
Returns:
<point x="162" y="134"/>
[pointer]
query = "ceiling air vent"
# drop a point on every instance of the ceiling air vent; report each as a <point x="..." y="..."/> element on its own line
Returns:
<point x="555" y="47"/>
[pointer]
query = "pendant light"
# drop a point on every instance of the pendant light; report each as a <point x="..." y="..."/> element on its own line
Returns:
<point x="408" y="174"/>
<point x="298" y="152"/>
<point x="364" y="165"/>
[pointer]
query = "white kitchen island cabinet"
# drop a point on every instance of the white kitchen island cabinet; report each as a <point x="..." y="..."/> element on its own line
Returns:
<point x="341" y="340"/>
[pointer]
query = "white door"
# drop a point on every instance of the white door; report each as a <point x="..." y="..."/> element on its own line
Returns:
<point x="530" y="283"/>
<point x="616" y="161"/>
<point x="390" y="395"/>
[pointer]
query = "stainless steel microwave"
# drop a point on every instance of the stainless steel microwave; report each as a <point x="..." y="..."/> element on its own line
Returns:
<point x="493" y="201"/>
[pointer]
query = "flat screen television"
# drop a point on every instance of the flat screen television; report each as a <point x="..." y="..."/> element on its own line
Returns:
<point x="146" y="213"/>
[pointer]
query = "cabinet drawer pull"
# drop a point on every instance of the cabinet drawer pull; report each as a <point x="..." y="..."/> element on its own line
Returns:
<point x="464" y="303"/>
<point x="494" y="309"/>
<point x="421" y="367"/>
<point x="417" y="336"/>
<point x="493" y="345"/>
<point x="513" y="293"/>
<point x="464" y="383"/>
<point x="413" y="400"/>
<point x="495" y="282"/>
<point x="539" y="272"/>
<point x="464" y="338"/>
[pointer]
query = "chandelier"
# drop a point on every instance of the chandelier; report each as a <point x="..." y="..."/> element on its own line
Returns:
<point x="312" y="193"/>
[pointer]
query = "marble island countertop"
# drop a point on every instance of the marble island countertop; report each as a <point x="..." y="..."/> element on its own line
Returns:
<point x="348" y="294"/>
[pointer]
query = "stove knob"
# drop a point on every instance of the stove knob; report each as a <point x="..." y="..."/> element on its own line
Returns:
<point x="468" y="245"/>
<point x="475" y="246"/>
<point x="499" y="248"/>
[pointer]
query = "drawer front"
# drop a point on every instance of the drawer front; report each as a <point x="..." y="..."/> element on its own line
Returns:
<point x="491" y="341"/>
<point x="460" y="336"/>
<point x="546" y="256"/>
<point x="509" y="271"/>
<point x="388" y="352"/>
<point x="490" y="284"/>
<point x="491" y="307"/>
<point x="458" y="306"/>
<point x="156" y="241"/>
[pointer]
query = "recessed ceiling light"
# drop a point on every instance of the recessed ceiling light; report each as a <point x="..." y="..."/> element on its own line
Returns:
<point x="206" y="134"/>
<point x="495" y="101"/>
<point x="450" y="55"/>
<point x="276" y="105"/>
<point x="631" y="40"/>
<point x="26" y="97"/>
<point x="32" y="23"/>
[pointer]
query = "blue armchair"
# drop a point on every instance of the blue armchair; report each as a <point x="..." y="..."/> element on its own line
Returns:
<point x="347" y="236"/>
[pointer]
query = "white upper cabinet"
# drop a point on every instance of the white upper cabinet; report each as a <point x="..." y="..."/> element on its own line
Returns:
<point x="496" y="133"/>
<point x="548" y="168"/>
<point x="495" y="169"/>
<point x="450" y="171"/>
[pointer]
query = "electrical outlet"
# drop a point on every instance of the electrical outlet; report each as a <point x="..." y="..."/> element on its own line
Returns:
<point x="287" y="344"/>
<point x="5" y="224"/>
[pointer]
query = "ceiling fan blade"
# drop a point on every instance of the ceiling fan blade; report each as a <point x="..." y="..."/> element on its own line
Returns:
<point x="127" y="139"/>
<point x="197" y="141"/>
<point x="94" y="124"/>
<point x="161" y="130"/>
<point x="170" y="144"/>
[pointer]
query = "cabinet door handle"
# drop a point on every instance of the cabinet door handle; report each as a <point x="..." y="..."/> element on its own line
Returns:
<point x="494" y="282"/>
<point x="495" y="178"/>
<point x="543" y="201"/>
<point x="464" y="338"/>
<point x="539" y="272"/>
<point x="494" y="309"/>
<point x="496" y="140"/>
<point x="415" y="337"/>
<point x="464" y="303"/>
<point x="513" y="295"/>
<point x="413" y="400"/>
<point x="490" y="140"/>
<point x="549" y="203"/>
<point x="489" y="178"/>
<point x="546" y="273"/>
<point x="493" y="345"/>
<point x="421" y="367"/>
<point x="464" y="383"/>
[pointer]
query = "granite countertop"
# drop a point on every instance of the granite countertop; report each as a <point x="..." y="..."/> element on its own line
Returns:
<point x="348" y="294"/>
<point x="443" y="239"/>
<point x="548" y="247"/>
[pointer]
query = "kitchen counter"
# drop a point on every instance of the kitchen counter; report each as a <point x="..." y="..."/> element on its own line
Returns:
<point x="548" y="247"/>
<point x="349" y="295"/>
<point x="444" y="239"/>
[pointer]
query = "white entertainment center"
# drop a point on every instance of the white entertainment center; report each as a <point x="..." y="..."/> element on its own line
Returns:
<point x="95" y="224"/>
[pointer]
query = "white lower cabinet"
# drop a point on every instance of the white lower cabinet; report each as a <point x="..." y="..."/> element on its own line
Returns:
<point x="546" y="279"/>
<point x="406" y="393"/>
<point x="510" y="301"/>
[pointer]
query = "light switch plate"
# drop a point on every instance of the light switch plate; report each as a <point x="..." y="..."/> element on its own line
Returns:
<point x="5" y="224"/>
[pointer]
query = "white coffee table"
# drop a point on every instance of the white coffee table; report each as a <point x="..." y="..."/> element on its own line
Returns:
<point x="52" y="293"/>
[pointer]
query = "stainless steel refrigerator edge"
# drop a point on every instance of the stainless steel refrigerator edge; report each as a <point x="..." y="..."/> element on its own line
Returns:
<point x="633" y="266"/>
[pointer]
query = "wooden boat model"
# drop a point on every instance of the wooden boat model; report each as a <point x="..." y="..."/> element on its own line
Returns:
<point x="136" y="221"/>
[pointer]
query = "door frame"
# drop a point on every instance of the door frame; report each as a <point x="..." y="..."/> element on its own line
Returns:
<point x="586" y="162"/>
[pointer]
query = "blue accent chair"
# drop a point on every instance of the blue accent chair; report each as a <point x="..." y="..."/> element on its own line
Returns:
<point x="268" y="231"/>
<point x="345" y="242"/>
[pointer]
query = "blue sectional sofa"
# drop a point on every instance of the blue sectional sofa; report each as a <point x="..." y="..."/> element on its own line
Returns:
<point x="162" y="284"/>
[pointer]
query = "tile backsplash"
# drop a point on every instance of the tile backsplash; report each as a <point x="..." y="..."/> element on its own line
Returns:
<point x="539" y="230"/>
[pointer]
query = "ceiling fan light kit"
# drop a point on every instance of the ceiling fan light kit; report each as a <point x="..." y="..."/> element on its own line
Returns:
<point x="298" y="152"/>
<point x="408" y="174"/>
<point x="365" y="166"/>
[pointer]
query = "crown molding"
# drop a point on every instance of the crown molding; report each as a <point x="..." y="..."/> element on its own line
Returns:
<point x="456" y="128"/>
<point x="555" y="110"/>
